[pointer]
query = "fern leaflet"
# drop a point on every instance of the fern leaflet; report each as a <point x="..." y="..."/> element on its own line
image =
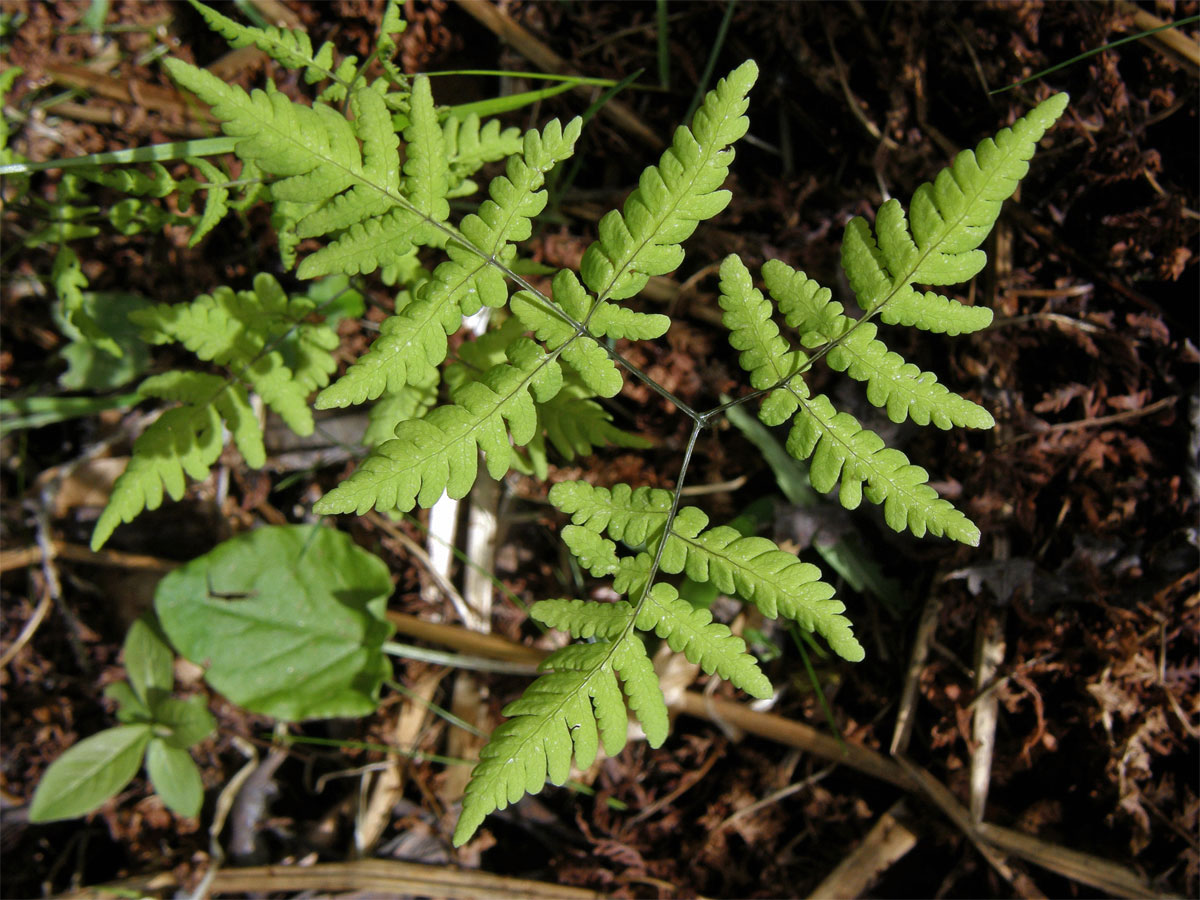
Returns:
<point x="262" y="338"/>
<point x="413" y="342"/>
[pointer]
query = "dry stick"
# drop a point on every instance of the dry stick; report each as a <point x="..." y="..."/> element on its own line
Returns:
<point x="940" y="796"/>
<point x="501" y="24"/>
<point x="990" y="623"/>
<point x="27" y="556"/>
<point x="378" y="877"/>
<point x="457" y="638"/>
<point x="1150" y="410"/>
<point x="1081" y="867"/>
<point x="148" y="96"/>
<point x="376" y="813"/>
<point x="889" y="839"/>
<point x="989" y="656"/>
<point x="905" y="716"/>
<point x="1172" y="38"/>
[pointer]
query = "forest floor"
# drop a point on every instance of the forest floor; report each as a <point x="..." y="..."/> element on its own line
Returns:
<point x="1023" y="703"/>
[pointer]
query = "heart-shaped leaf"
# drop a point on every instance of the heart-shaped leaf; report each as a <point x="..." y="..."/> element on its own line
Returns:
<point x="287" y="620"/>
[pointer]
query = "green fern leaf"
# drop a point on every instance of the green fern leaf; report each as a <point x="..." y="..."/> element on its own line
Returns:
<point x="69" y="282"/>
<point x="903" y="389"/>
<point x="584" y="619"/>
<point x="412" y="401"/>
<point x="950" y="217"/>
<point x="379" y="189"/>
<point x="216" y="200"/>
<point x="597" y="555"/>
<point x="584" y="354"/>
<point x="439" y="453"/>
<point x="934" y="312"/>
<point x="571" y="709"/>
<point x="753" y="568"/>
<point x="470" y="146"/>
<point x="631" y="515"/>
<point x="765" y="354"/>
<point x="134" y="182"/>
<point x="291" y="48"/>
<point x="366" y="246"/>
<point x="412" y="342"/>
<point x="671" y="198"/>
<point x="576" y="425"/>
<point x="184" y="441"/>
<point x="842" y="448"/>
<point x="708" y="644"/>
<point x="426" y="170"/>
<point x="234" y="328"/>
<point x="757" y="570"/>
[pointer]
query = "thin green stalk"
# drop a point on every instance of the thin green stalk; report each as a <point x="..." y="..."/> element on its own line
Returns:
<point x="1082" y="56"/>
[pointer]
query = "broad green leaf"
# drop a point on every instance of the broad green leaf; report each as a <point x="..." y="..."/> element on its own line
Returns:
<point x="288" y="621"/>
<point x="175" y="778"/>
<point x="148" y="660"/>
<point x="89" y="773"/>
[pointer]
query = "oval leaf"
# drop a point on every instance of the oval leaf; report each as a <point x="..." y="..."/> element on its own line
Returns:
<point x="89" y="773"/>
<point x="149" y="662"/>
<point x="175" y="778"/>
<point x="288" y="621"/>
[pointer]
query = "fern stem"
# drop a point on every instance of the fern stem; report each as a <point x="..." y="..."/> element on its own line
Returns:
<point x="697" y="426"/>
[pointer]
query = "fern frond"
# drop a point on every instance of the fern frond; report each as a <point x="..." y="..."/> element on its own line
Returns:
<point x="585" y="619"/>
<point x="412" y="342"/>
<point x="753" y="568"/>
<point x="842" y="448"/>
<point x="900" y="387"/>
<point x="470" y="146"/>
<point x="69" y="281"/>
<point x="765" y="354"/>
<point x="934" y="312"/>
<point x="582" y="352"/>
<point x="379" y="187"/>
<point x="627" y="514"/>
<point x="290" y="48"/>
<point x="234" y="328"/>
<point x="576" y="425"/>
<point x="439" y="453"/>
<point x="216" y="200"/>
<point x="184" y="441"/>
<point x="412" y="401"/>
<point x="950" y="217"/>
<point x="708" y="644"/>
<point x="671" y="198"/>
<point x="366" y="246"/>
<point x="133" y="181"/>
<point x="426" y="171"/>
<point x="573" y="708"/>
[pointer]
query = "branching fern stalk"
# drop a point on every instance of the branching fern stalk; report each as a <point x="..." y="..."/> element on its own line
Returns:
<point x="334" y="174"/>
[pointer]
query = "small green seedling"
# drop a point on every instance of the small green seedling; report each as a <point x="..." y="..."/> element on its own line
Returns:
<point x="155" y="725"/>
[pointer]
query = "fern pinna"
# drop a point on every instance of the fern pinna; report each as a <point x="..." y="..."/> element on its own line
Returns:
<point x="532" y="384"/>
